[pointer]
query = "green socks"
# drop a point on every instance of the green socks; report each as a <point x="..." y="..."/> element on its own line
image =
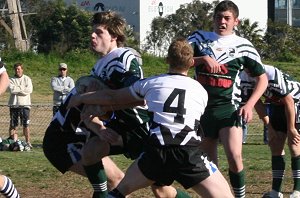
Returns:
<point x="296" y="172"/>
<point x="97" y="178"/>
<point x="278" y="167"/>
<point x="237" y="181"/>
<point x="181" y="194"/>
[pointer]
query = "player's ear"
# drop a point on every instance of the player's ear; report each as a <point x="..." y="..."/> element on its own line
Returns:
<point x="192" y="62"/>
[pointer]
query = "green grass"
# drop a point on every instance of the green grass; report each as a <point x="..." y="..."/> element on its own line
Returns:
<point x="31" y="170"/>
<point x="34" y="176"/>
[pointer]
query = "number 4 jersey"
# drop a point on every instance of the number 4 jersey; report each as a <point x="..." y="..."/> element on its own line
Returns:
<point x="176" y="103"/>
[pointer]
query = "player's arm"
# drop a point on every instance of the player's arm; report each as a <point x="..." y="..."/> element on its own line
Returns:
<point x="105" y="97"/>
<point x="97" y="126"/>
<point x="289" y="107"/>
<point x="211" y="64"/>
<point x="4" y="82"/>
<point x="260" y="87"/>
<point x="101" y="111"/>
<point x="55" y="85"/>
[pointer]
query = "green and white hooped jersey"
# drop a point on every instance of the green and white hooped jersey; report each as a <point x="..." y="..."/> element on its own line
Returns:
<point x="176" y="103"/>
<point x="279" y="85"/>
<point x="119" y="69"/>
<point x="233" y="53"/>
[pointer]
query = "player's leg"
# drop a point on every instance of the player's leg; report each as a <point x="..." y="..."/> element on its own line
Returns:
<point x="14" y="118"/>
<point x="7" y="188"/>
<point x="276" y="144"/>
<point x="295" y="163"/>
<point x="277" y="141"/>
<point x="168" y="191"/>
<point x="210" y="146"/>
<point x="231" y="138"/>
<point x="92" y="151"/>
<point x="25" y="118"/>
<point x="213" y="186"/>
<point x="210" y="130"/>
<point x="133" y="180"/>
<point x="113" y="172"/>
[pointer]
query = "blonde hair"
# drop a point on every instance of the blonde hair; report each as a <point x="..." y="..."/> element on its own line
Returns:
<point x="180" y="54"/>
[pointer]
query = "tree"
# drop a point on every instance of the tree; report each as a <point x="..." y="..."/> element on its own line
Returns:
<point x="188" y="18"/>
<point x="282" y="42"/>
<point x="60" y="28"/>
<point x="250" y="31"/>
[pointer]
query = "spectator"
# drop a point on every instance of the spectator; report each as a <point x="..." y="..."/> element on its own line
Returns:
<point x="7" y="188"/>
<point x="20" y="87"/>
<point x="61" y="85"/>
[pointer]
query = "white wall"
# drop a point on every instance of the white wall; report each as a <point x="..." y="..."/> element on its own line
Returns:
<point x="154" y="8"/>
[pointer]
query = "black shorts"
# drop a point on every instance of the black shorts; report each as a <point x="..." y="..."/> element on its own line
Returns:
<point x="19" y="112"/>
<point x="134" y="138"/>
<point x="187" y="165"/>
<point x="278" y="117"/>
<point x="63" y="148"/>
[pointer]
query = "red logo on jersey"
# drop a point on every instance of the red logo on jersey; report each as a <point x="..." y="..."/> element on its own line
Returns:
<point x="215" y="80"/>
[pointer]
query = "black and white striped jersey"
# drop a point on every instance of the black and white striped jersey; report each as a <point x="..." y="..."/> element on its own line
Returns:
<point x="176" y="103"/>
<point x="279" y="85"/>
<point x="117" y="69"/>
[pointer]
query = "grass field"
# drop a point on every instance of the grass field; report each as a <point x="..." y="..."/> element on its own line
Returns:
<point x="35" y="177"/>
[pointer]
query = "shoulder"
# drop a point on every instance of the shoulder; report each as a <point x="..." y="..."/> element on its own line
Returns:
<point x="241" y="40"/>
<point x="26" y="77"/>
<point x="200" y="35"/>
<point x="69" y="78"/>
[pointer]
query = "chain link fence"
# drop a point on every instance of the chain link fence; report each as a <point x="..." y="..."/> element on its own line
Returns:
<point x="41" y="115"/>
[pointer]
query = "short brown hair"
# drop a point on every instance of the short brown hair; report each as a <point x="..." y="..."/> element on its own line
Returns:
<point x="18" y="64"/>
<point x="114" y="23"/>
<point x="180" y="54"/>
<point x="227" y="5"/>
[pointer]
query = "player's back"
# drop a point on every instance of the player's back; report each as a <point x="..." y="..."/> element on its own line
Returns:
<point x="176" y="103"/>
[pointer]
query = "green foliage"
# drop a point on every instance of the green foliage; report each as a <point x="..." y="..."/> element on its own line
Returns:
<point x="60" y="28"/>
<point x="251" y="32"/>
<point x="282" y="42"/>
<point x="188" y="18"/>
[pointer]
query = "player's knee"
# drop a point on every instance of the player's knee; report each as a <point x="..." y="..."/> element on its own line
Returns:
<point x="94" y="150"/>
<point x="163" y="191"/>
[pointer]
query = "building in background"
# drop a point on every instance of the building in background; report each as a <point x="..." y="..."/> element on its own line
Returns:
<point x="140" y="13"/>
<point x="286" y="11"/>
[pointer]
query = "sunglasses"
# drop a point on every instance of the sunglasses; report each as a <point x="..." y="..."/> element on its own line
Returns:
<point x="62" y="69"/>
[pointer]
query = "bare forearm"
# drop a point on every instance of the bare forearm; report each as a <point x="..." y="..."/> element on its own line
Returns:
<point x="261" y="85"/>
<point x="4" y="82"/>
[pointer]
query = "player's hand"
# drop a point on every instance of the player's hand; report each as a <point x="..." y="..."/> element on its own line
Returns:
<point x="293" y="136"/>
<point x="108" y="135"/>
<point x="211" y="65"/>
<point x="74" y="101"/>
<point x="91" y="110"/>
<point x="246" y="113"/>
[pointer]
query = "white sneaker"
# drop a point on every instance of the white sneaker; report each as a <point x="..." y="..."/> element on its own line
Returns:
<point x="272" y="194"/>
<point x="295" y="194"/>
